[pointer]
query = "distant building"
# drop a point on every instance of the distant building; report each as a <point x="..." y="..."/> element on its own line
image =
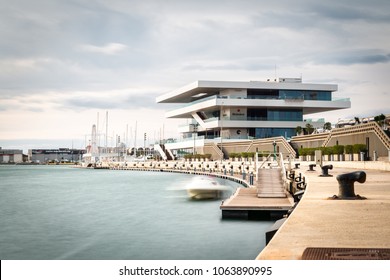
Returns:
<point x="385" y="124"/>
<point x="105" y="154"/>
<point x="55" y="155"/>
<point x="11" y="156"/>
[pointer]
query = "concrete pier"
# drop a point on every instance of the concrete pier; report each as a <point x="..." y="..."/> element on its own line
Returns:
<point x="322" y="223"/>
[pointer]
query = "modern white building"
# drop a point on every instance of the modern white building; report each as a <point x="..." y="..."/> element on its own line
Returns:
<point x="249" y="110"/>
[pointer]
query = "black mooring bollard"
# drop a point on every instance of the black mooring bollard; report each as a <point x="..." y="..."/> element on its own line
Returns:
<point x="291" y="176"/>
<point x="299" y="178"/>
<point x="346" y="185"/>
<point x="311" y="167"/>
<point x="298" y="195"/>
<point x="297" y="165"/>
<point x="325" y="170"/>
<point x="301" y="185"/>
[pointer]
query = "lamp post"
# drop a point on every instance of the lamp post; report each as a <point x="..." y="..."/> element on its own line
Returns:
<point x="117" y="145"/>
<point x="144" y="146"/>
<point x="220" y="134"/>
<point x="274" y="143"/>
<point x="195" y="125"/>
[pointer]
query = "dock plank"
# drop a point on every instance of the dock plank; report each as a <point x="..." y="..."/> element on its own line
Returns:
<point x="267" y="194"/>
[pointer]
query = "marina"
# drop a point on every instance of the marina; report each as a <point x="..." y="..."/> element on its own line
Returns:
<point x="193" y="139"/>
<point x="233" y="158"/>
<point x="310" y="223"/>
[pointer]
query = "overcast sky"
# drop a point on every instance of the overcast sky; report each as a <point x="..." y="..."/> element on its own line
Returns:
<point x="63" y="62"/>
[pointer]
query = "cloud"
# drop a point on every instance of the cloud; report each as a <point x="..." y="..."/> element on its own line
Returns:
<point x="108" y="49"/>
<point x="123" y="99"/>
<point x="358" y="11"/>
<point x="80" y="56"/>
<point x="246" y="64"/>
<point x="114" y="99"/>
<point x="350" y="57"/>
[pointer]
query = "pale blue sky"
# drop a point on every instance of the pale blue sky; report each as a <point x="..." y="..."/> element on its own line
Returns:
<point x="62" y="62"/>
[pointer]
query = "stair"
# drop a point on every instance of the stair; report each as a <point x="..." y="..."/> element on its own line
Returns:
<point x="270" y="183"/>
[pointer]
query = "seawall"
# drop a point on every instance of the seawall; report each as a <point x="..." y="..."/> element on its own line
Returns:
<point x="332" y="224"/>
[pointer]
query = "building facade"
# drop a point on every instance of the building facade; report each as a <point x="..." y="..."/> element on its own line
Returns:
<point x="11" y="156"/>
<point x="249" y="110"/>
<point x="55" y="155"/>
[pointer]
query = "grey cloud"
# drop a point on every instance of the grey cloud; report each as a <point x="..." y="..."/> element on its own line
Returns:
<point x="204" y="67"/>
<point x="56" y="31"/>
<point x="352" y="11"/>
<point x="253" y="64"/>
<point x="52" y="28"/>
<point x="350" y="57"/>
<point x="330" y="18"/>
<point x="179" y="35"/>
<point x="130" y="101"/>
<point x="33" y="109"/>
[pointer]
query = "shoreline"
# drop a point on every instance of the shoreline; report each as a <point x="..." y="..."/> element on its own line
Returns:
<point x="191" y="168"/>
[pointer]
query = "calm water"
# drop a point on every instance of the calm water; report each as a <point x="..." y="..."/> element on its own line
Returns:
<point x="59" y="212"/>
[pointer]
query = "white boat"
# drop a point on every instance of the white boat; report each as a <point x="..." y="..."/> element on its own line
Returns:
<point x="202" y="187"/>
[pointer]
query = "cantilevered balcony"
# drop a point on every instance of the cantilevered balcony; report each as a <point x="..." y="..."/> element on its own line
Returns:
<point x="216" y="102"/>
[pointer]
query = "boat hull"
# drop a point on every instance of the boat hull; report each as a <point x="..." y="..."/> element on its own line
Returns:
<point x="204" y="194"/>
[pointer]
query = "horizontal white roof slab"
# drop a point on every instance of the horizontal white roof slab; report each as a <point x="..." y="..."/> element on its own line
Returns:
<point x="207" y="88"/>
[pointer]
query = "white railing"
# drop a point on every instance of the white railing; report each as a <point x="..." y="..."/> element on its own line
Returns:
<point x="281" y="163"/>
<point x="158" y="148"/>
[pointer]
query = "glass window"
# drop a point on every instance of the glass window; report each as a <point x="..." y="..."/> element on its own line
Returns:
<point x="257" y="114"/>
<point x="305" y="94"/>
<point x="263" y="132"/>
<point x="285" y="115"/>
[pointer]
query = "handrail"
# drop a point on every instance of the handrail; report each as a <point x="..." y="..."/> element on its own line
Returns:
<point x="288" y="146"/>
<point x="360" y="128"/>
<point x="281" y="163"/>
<point x="160" y="150"/>
<point x="217" y="149"/>
<point x="382" y="136"/>
<point x="279" y="140"/>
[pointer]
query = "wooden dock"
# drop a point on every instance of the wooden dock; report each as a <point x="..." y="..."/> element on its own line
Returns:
<point x="266" y="200"/>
